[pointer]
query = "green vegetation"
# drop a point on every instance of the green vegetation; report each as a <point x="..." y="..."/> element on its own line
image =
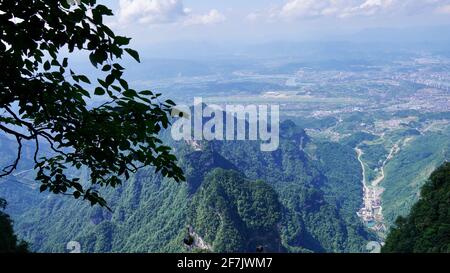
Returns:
<point x="316" y="123"/>
<point x="321" y="192"/>
<point x="80" y="132"/>
<point x="234" y="214"/>
<point x="357" y="138"/>
<point x="409" y="169"/>
<point x="427" y="228"/>
<point x="8" y="240"/>
<point x="107" y="127"/>
<point x="151" y="215"/>
<point x="305" y="204"/>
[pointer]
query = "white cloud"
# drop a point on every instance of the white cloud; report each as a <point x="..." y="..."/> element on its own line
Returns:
<point x="336" y="8"/>
<point x="305" y="8"/>
<point x="213" y="17"/>
<point x="367" y="8"/>
<point x="162" y="12"/>
<point x="308" y="9"/>
<point x="150" y="11"/>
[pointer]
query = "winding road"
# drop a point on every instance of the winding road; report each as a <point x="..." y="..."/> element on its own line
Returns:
<point x="372" y="211"/>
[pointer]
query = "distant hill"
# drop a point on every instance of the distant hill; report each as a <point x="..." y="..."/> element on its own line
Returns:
<point x="427" y="228"/>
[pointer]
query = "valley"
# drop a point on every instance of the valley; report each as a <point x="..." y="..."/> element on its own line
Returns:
<point x="195" y="127"/>
<point x="357" y="143"/>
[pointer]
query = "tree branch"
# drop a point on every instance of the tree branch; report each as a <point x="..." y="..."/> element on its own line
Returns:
<point x="13" y="166"/>
<point x="15" y="133"/>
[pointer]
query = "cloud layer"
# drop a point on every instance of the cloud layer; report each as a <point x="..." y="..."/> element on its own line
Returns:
<point x="307" y="9"/>
<point x="163" y="12"/>
<point x="212" y="17"/>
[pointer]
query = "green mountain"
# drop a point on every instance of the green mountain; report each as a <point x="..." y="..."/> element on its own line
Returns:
<point x="234" y="214"/>
<point x="300" y="198"/>
<point x="320" y="189"/>
<point x="410" y="169"/>
<point x="427" y="228"/>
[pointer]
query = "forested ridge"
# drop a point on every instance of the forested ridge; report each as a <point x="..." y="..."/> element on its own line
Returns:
<point x="306" y="208"/>
<point x="427" y="227"/>
<point x="77" y="123"/>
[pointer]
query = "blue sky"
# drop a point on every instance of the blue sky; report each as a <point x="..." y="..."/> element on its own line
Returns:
<point x="257" y="21"/>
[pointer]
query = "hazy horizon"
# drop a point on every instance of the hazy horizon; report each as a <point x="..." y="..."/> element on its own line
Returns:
<point x="154" y="23"/>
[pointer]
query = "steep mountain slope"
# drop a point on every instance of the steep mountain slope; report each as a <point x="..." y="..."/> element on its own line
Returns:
<point x="150" y="214"/>
<point x="310" y="205"/>
<point x="234" y="214"/>
<point x="320" y="193"/>
<point x="427" y="227"/>
<point x="408" y="171"/>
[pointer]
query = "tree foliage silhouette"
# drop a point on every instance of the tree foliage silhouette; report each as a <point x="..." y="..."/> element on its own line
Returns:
<point x="8" y="240"/>
<point x="43" y="99"/>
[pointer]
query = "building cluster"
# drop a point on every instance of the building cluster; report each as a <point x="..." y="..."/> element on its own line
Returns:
<point x="371" y="213"/>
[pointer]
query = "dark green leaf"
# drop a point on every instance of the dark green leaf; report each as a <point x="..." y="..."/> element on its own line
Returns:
<point x="133" y="53"/>
<point x="99" y="91"/>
